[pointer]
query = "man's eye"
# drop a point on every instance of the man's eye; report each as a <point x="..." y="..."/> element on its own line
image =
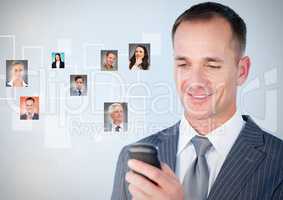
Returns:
<point x="181" y="64"/>
<point x="214" y="66"/>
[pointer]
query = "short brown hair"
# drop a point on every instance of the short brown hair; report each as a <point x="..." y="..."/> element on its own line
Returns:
<point x="209" y="10"/>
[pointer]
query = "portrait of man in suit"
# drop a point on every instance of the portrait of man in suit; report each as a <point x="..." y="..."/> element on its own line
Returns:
<point x="213" y="152"/>
<point x="115" y="118"/>
<point x="29" y="108"/>
<point x="109" y="60"/>
<point x="78" y="85"/>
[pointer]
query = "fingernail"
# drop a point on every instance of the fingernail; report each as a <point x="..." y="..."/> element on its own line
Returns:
<point x="127" y="177"/>
<point x="130" y="163"/>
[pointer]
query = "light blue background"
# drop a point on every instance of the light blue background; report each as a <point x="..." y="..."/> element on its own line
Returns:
<point x="66" y="154"/>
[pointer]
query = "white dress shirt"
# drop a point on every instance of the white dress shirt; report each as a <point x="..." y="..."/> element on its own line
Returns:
<point x="114" y="126"/>
<point x="11" y="84"/>
<point x="222" y="139"/>
<point x="57" y="64"/>
<point x="136" y="68"/>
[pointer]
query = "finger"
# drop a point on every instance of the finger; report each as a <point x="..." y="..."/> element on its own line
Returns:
<point x="151" y="172"/>
<point x="137" y="193"/>
<point x="166" y="169"/>
<point x="142" y="183"/>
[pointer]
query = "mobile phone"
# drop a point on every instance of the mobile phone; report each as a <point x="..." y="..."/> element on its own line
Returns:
<point x="145" y="152"/>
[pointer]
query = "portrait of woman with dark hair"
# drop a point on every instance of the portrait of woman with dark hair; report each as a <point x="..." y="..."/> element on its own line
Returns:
<point x="58" y="61"/>
<point x="140" y="58"/>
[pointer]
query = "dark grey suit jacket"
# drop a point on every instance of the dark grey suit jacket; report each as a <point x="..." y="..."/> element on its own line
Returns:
<point x="24" y="116"/>
<point x="74" y="92"/>
<point x="253" y="169"/>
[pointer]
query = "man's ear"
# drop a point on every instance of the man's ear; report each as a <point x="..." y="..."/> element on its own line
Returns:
<point x="243" y="70"/>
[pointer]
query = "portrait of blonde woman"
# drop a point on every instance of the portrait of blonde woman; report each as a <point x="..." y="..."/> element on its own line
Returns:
<point x="16" y="73"/>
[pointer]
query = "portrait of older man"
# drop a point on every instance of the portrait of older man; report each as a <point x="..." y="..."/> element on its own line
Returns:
<point x="115" y="117"/>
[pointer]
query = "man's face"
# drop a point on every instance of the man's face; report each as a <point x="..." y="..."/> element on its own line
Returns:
<point x="117" y="115"/>
<point x="206" y="68"/>
<point x="110" y="59"/>
<point x="79" y="83"/>
<point x="29" y="106"/>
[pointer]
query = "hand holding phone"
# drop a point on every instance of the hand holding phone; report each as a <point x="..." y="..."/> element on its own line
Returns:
<point x="146" y="153"/>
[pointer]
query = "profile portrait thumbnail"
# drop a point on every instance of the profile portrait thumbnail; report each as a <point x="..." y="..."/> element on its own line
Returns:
<point x="58" y="60"/>
<point x="139" y="56"/>
<point x="29" y="107"/>
<point x="109" y="60"/>
<point x="78" y="85"/>
<point x="16" y="73"/>
<point x="115" y="117"/>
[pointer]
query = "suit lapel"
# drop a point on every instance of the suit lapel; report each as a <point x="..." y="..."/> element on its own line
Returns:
<point x="240" y="164"/>
<point x="167" y="145"/>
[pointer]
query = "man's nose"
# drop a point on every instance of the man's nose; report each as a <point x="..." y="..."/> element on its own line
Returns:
<point x="196" y="76"/>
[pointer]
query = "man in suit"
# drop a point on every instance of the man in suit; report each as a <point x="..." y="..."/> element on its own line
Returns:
<point x="79" y="89"/>
<point x="30" y="113"/>
<point x="213" y="153"/>
<point x="116" y="116"/>
<point x="110" y="59"/>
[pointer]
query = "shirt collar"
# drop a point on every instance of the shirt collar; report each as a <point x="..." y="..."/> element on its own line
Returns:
<point x="222" y="138"/>
<point x="32" y="114"/>
<point x="114" y="125"/>
<point x="77" y="89"/>
<point x="10" y="83"/>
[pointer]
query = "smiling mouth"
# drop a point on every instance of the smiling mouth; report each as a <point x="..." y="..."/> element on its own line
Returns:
<point x="199" y="97"/>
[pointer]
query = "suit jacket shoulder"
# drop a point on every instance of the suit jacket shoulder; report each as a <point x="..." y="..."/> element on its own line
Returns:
<point x="253" y="168"/>
<point x="272" y="146"/>
<point x="23" y="116"/>
<point x="53" y="65"/>
<point x="35" y="116"/>
<point x="274" y="153"/>
<point x="157" y="137"/>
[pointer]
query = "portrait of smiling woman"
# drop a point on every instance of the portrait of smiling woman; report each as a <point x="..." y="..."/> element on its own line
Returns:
<point x="139" y="56"/>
